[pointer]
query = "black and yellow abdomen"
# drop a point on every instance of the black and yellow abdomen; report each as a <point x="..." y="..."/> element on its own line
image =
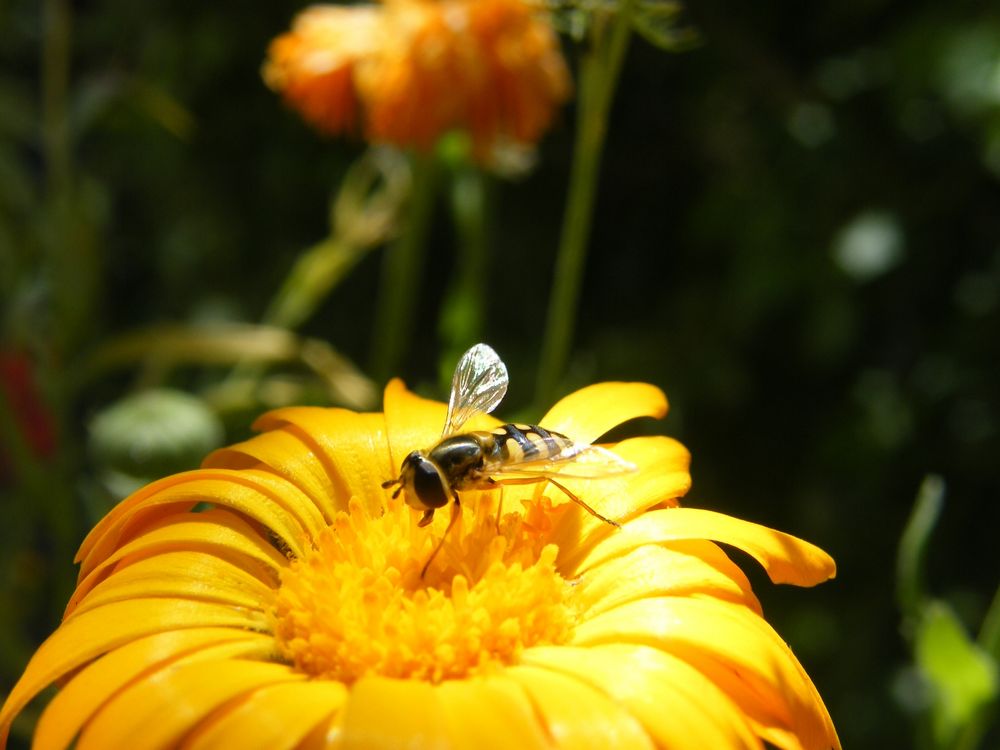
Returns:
<point x="523" y="443"/>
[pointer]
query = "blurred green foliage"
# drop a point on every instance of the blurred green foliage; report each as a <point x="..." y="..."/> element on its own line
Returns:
<point x="796" y="234"/>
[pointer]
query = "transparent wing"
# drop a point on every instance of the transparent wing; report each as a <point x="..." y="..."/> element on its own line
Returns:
<point x="574" y="462"/>
<point x="479" y="384"/>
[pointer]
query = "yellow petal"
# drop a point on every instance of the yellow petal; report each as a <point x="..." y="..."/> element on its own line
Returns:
<point x="84" y="694"/>
<point x="159" y="710"/>
<point x="661" y="475"/>
<point x="588" y="413"/>
<point x="412" y="422"/>
<point x="689" y="568"/>
<point x="352" y="447"/>
<point x="578" y="716"/>
<point x="769" y="719"/>
<point x="258" y="495"/>
<point x="182" y="574"/>
<point x="485" y="713"/>
<point x="93" y="633"/>
<point x="786" y="558"/>
<point x="288" y="453"/>
<point x="734" y="636"/>
<point x="382" y="712"/>
<point x="677" y="705"/>
<point x="219" y="532"/>
<point x="415" y="423"/>
<point x="275" y="717"/>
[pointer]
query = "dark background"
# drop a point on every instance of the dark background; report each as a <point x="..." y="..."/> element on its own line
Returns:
<point x="797" y="236"/>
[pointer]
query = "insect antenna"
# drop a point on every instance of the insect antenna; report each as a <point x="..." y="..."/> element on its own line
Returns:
<point x="389" y="483"/>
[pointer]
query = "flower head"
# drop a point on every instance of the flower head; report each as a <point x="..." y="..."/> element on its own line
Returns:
<point x="417" y="69"/>
<point x="293" y="612"/>
<point x="313" y="64"/>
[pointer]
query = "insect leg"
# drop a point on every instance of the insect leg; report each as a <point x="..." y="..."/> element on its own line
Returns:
<point x="456" y="511"/>
<point x="427" y="517"/>
<point x="582" y="504"/>
<point x="495" y="483"/>
<point x="570" y="495"/>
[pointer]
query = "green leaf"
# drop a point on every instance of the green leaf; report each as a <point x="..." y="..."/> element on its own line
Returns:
<point x="657" y="22"/>
<point x="962" y="676"/>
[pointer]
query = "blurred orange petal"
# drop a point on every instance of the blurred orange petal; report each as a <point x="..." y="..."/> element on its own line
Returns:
<point x="312" y="66"/>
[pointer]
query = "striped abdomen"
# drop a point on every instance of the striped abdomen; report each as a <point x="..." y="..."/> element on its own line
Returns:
<point x="523" y="443"/>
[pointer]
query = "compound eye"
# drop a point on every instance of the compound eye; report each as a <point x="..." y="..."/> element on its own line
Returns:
<point x="428" y="485"/>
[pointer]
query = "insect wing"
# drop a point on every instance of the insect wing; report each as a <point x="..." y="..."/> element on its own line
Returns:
<point x="478" y="385"/>
<point x="576" y="461"/>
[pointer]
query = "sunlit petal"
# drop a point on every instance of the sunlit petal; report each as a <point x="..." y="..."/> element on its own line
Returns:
<point x="219" y="532"/>
<point x="265" y="498"/>
<point x="588" y="413"/>
<point x="160" y="710"/>
<point x="489" y="713"/>
<point x="661" y="476"/>
<point x="93" y="633"/>
<point x="352" y="447"/>
<point x="183" y="575"/>
<point x="90" y="688"/>
<point x="274" y="717"/>
<point x="785" y="558"/>
<point x="418" y="719"/>
<point x="699" y="715"/>
<point x="688" y="568"/>
<point x="696" y="630"/>
<point x="578" y="716"/>
<point x="287" y="452"/>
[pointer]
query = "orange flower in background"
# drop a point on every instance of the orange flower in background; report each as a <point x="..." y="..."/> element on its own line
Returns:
<point x="422" y="68"/>
<point x="292" y="612"/>
<point x="313" y="64"/>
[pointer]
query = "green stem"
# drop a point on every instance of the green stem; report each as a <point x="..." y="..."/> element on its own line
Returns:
<point x="315" y="273"/>
<point x="402" y="271"/>
<point x="913" y="548"/>
<point x="55" y="84"/>
<point x="71" y="271"/>
<point x="463" y="311"/>
<point x="599" y="75"/>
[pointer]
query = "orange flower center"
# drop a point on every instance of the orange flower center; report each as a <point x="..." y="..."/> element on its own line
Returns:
<point x="357" y="604"/>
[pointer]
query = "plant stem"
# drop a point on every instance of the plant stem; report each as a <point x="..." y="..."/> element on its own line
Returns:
<point x="599" y="73"/>
<point x="57" y="20"/>
<point x="402" y="272"/>
<point x="463" y="311"/>
<point x="70" y="268"/>
<point x="913" y="548"/>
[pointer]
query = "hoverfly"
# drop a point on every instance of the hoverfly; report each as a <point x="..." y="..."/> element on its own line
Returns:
<point x="510" y="454"/>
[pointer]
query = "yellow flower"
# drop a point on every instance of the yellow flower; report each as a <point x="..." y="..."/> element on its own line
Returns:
<point x="423" y="68"/>
<point x="292" y="613"/>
